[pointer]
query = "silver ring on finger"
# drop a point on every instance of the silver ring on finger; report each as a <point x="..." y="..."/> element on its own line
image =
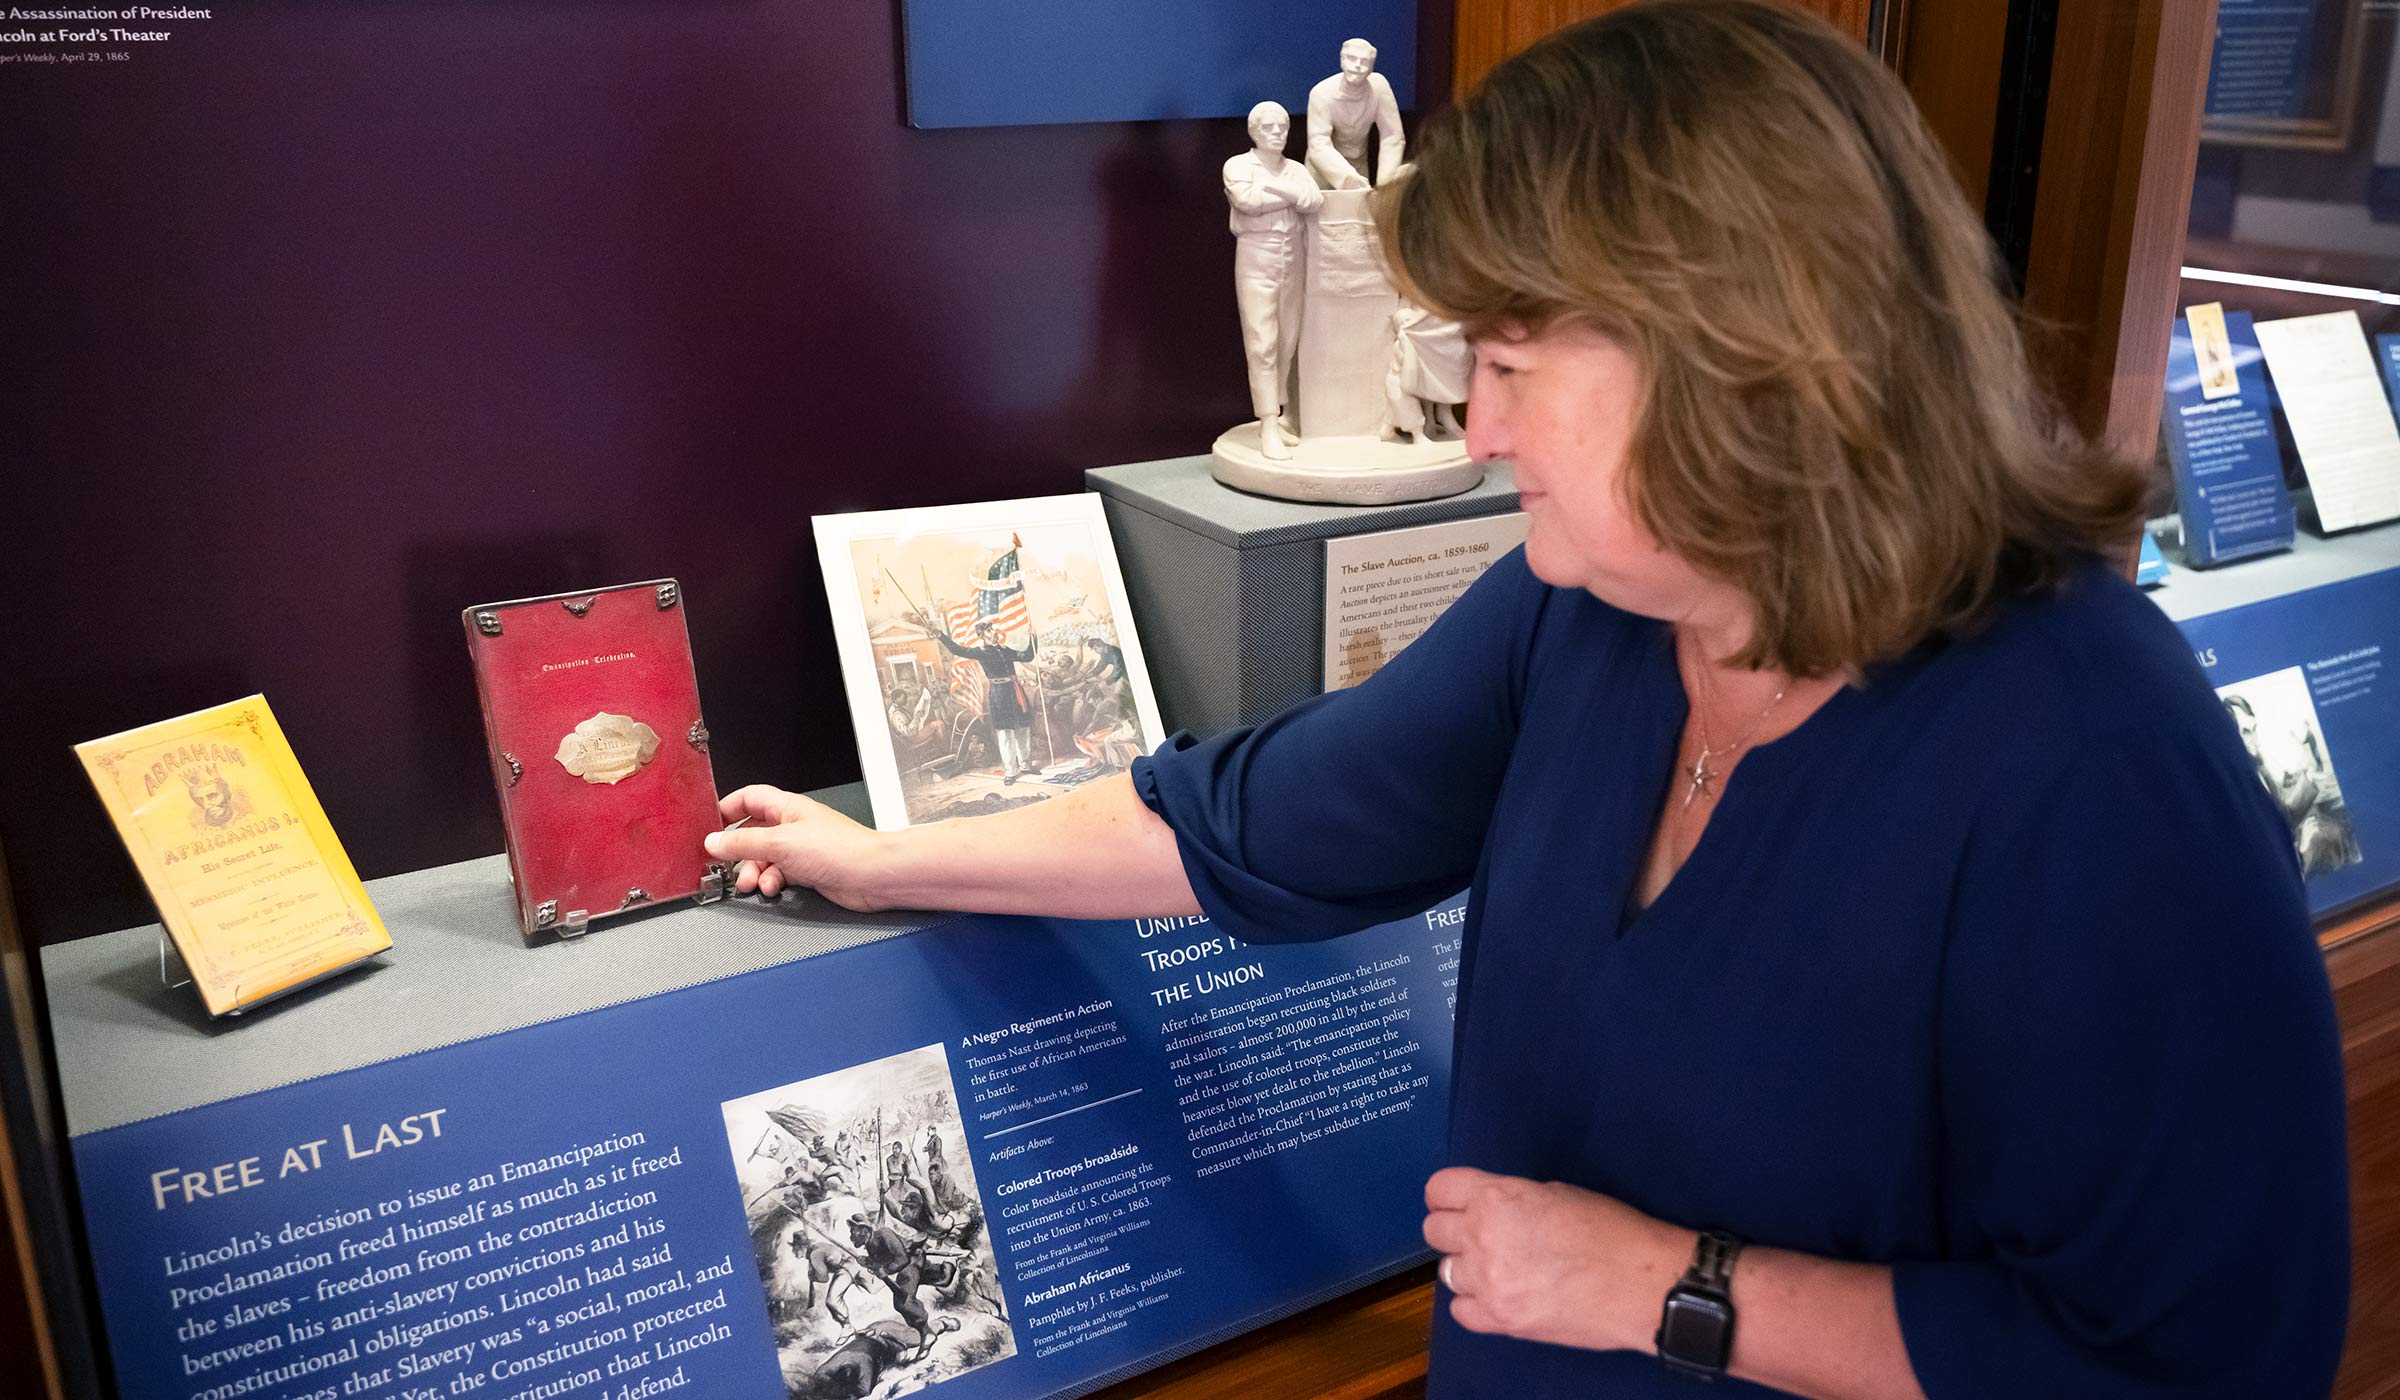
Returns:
<point x="1444" y="1272"/>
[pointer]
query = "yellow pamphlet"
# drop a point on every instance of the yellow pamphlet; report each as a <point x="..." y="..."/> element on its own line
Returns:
<point x="248" y="877"/>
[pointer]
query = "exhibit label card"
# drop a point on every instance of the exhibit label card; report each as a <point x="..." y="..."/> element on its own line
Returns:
<point x="2259" y="65"/>
<point x="246" y="872"/>
<point x="2343" y="424"/>
<point x="1383" y="590"/>
<point x="2220" y="432"/>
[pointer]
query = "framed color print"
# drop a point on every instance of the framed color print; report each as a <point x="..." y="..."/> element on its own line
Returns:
<point x="988" y="653"/>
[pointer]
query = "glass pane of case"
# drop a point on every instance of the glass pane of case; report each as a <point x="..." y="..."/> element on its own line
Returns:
<point x="2277" y="546"/>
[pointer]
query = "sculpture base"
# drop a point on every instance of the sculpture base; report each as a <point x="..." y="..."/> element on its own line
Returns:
<point x="1344" y="471"/>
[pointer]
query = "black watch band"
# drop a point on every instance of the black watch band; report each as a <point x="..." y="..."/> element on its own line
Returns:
<point x="1695" y="1329"/>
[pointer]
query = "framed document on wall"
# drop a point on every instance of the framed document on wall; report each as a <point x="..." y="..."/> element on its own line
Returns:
<point x="2284" y="73"/>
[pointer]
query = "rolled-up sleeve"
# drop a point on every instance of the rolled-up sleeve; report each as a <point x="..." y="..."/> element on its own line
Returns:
<point x="2144" y="1167"/>
<point x="1366" y="804"/>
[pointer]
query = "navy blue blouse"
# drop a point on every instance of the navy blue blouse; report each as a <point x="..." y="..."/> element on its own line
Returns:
<point x="1996" y="969"/>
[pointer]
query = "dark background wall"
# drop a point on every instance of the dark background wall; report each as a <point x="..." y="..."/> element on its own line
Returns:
<point x="325" y="321"/>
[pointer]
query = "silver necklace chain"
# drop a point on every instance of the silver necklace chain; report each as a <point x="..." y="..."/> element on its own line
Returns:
<point x="1701" y="777"/>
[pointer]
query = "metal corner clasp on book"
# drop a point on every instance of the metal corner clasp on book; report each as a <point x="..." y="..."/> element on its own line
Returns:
<point x="574" y="924"/>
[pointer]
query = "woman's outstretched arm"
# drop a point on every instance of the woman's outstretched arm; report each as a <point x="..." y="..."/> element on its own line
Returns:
<point x="1096" y="853"/>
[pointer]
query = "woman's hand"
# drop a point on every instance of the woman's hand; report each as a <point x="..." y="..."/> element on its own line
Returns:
<point x="791" y="840"/>
<point x="1548" y="1262"/>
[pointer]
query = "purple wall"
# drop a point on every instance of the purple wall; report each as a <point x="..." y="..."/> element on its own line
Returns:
<point x="324" y="321"/>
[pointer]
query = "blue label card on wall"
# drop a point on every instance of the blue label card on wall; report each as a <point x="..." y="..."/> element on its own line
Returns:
<point x="2259" y="65"/>
<point x="1007" y="1157"/>
<point x="2305" y="677"/>
<point x="971" y="63"/>
<point x="2387" y="356"/>
<point x="2220" y="432"/>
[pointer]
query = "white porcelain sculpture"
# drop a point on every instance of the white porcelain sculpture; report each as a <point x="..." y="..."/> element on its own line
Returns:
<point x="1369" y="420"/>
<point x="1341" y="110"/>
<point x="1431" y="368"/>
<point x="1270" y="195"/>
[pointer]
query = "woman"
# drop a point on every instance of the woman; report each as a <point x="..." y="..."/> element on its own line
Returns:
<point x="1871" y="908"/>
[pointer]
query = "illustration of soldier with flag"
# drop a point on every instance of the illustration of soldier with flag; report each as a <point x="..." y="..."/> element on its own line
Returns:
<point x="978" y="634"/>
<point x="991" y="665"/>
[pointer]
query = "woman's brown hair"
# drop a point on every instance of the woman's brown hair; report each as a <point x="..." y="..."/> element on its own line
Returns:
<point x="1836" y="415"/>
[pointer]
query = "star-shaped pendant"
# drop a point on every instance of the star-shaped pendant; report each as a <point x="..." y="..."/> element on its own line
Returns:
<point x="1700" y="777"/>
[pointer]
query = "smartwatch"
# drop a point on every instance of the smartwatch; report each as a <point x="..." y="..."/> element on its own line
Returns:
<point x="1695" y="1332"/>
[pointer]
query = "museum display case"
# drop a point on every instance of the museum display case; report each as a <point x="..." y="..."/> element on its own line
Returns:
<point x="511" y="1054"/>
<point x="2140" y="161"/>
<point x="2276" y="426"/>
<point x="2293" y="231"/>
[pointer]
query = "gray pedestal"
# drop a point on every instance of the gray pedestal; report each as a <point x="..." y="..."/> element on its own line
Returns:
<point x="1229" y="589"/>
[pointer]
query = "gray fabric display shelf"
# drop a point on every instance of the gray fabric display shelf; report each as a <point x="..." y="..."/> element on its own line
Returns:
<point x="129" y="1047"/>
<point x="2313" y="561"/>
<point x="1229" y="588"/>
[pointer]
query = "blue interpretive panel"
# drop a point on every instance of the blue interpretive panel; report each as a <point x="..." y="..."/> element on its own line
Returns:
<point x="2306" y="677"/>
<point x="2387" y="355"/>
<point x="1001" y="1157"/>
<point x="974" y="63"/>
<point x="2220" y="432"/>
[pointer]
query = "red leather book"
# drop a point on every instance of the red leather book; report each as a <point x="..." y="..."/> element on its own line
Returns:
<point x="593" y="716"/>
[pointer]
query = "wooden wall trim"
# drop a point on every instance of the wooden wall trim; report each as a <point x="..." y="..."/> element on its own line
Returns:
<point x="2363" y="962"/>
<point x="31" y="1357"/>
<point x="28" y="1356"/>
<point x="1482" y="41"/>
<point x="1491" y="30"/>
<point x="1369" y="1345"/>
<point x="2121" y="135"/>
<point x="2359" y="923"/>
<point x="2155" y="211"/>
<point x="1950" y="57"/>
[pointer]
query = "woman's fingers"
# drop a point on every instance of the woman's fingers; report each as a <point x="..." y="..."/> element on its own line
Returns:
<point x="1455" y="1188"/>
<point x="759" y="803"/>
<point x="761" y="844"/>
<point x="783" y="840"/>
<point x="1446" y="1231"/>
